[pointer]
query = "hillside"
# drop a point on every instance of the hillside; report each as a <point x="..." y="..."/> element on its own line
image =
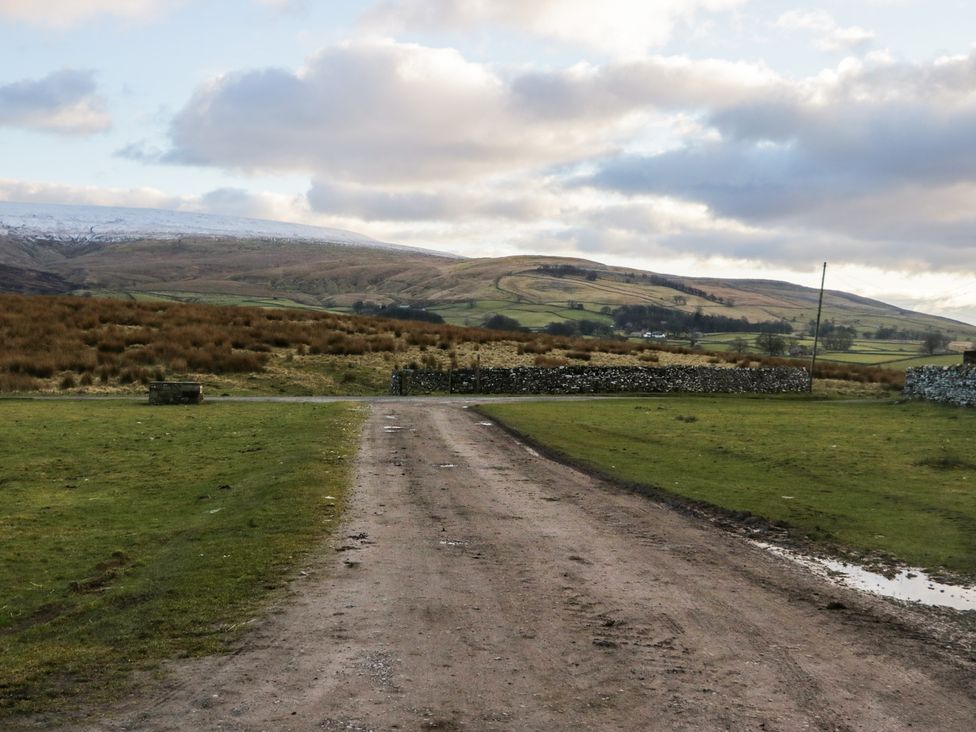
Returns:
<point x="195" y="258"/>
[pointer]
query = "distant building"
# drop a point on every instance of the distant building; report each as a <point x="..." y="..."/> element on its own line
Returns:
<point x="655" y="335"/>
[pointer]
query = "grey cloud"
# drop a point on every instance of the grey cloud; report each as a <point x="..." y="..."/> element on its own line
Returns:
<point x="141" y="151"/>
<point x="379" y="205"/>
<point x="392" y="205"/>
<point x="64" y="102"/>
<point x="619" y="88"/>
<point x="236" y="202"/>
<point x="864" y="162"/>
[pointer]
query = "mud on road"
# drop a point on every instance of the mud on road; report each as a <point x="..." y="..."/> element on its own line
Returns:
<point x="479" y="586"/>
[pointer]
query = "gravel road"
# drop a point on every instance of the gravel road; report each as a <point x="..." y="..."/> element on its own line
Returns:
<point x="479" y="586"/>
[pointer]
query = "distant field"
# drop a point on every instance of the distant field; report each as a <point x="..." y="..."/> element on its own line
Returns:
<point x="132" y="533"/>
<point x="199" y="298"/>
<point x="536" y="315"/>
<point x="899" y="479"/>
<point x="864" y="351"/>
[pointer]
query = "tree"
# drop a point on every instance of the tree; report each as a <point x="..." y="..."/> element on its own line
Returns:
<point x="739" y="344"/>
<point x="771" y="344"/>
<point x="564" y="328"/>
<point x="934" y="342"/>
<point x="502" y="322"/>
<point x="839" y="338"/>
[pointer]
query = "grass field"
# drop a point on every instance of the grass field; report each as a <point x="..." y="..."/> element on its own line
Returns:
<point x="130" y="533"/>
<point x="875" y="477"/>
<point x="898" y="355"/>
<point x="529" y="315"/>
<point x="202" y="298"/>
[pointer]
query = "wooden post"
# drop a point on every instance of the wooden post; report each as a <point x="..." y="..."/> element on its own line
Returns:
<point x="816" y="331"/>
<point x="450" y="380"/>
<point x="477" y="375"/>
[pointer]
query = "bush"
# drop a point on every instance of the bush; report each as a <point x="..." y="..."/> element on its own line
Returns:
<point x="579" y="355"/>
<point x="550" y="362"/>
<point x="502" y="322"/>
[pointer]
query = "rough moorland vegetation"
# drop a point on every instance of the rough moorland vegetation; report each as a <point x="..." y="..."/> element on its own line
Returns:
<point x="73" y="343"/>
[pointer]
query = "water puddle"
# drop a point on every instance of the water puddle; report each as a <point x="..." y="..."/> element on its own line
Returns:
<point x="911" y="585"/>
<point x="392" y="428"/>
<point x="531" y="452"/>
<point x="487" y="424"/>
<point x="447" y="465"/>
<point x="452" y="542"/>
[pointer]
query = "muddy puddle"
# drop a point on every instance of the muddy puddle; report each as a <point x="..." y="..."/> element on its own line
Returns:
<point x="911" y="585"/>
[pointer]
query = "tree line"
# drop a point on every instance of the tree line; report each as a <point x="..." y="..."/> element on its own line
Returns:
<point x="656" y="317"/>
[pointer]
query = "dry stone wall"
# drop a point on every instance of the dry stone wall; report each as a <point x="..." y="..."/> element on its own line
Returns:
<point x="600" y="380"/>
<point x="946" y="384"/>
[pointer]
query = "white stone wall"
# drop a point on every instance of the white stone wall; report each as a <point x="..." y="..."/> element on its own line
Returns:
<point x="946" y="384"/>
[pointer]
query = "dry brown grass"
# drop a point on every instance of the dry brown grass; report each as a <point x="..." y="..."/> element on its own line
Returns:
<point x="56" y="344"/>
<point x="69" y="344"/>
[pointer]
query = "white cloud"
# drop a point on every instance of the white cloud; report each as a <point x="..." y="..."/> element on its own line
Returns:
<point x="378" y="111"/>
<point x="284" y="6"/>
<point x="390" y="113"/>
<point x="227" y="201"/>
<point x="618" y="27"/>
<point x="830" y="35"/>
<point x="39" y="192"/>
<point x="61" y="13"/>
<point x="63" y="102"/>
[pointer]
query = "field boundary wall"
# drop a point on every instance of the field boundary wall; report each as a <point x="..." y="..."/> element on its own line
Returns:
<point x="945" y="384"/>
<point x="601" y="380"/>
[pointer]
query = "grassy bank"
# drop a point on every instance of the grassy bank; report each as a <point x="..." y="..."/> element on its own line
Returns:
<point x="899" y="479"/>
<point x="130" y="534"/>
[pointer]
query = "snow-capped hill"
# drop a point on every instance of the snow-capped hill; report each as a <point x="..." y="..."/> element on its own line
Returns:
<point x="89" y="224"/>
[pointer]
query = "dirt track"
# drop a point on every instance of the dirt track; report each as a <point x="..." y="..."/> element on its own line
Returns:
<point x="479" y="586"/>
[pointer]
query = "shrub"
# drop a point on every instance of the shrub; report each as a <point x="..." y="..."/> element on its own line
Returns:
<point x="10" y="383"/>
<point x="550" y="362"/>
<point x="579" y="355"/>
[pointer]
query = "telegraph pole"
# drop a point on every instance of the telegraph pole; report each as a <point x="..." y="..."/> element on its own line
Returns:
<point x="816" y="332"/>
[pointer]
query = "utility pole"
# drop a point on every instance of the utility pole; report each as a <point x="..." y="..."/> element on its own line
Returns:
<point x="816" y="332"/>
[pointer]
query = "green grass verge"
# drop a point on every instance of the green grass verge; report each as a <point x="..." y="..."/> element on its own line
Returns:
<point x="131" y="534"/>
<point x="899" y="479"/>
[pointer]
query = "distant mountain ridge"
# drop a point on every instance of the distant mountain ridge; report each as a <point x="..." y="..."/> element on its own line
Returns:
<point x="73" y="224"/>
<point x="148" y="254"/>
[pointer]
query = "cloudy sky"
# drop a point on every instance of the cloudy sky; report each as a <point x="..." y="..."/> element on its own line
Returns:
<point x="749" y="138"/>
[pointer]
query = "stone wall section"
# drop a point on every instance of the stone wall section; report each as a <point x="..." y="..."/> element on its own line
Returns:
<point x="601" y="380"/>
<point x="946" y="384"/>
